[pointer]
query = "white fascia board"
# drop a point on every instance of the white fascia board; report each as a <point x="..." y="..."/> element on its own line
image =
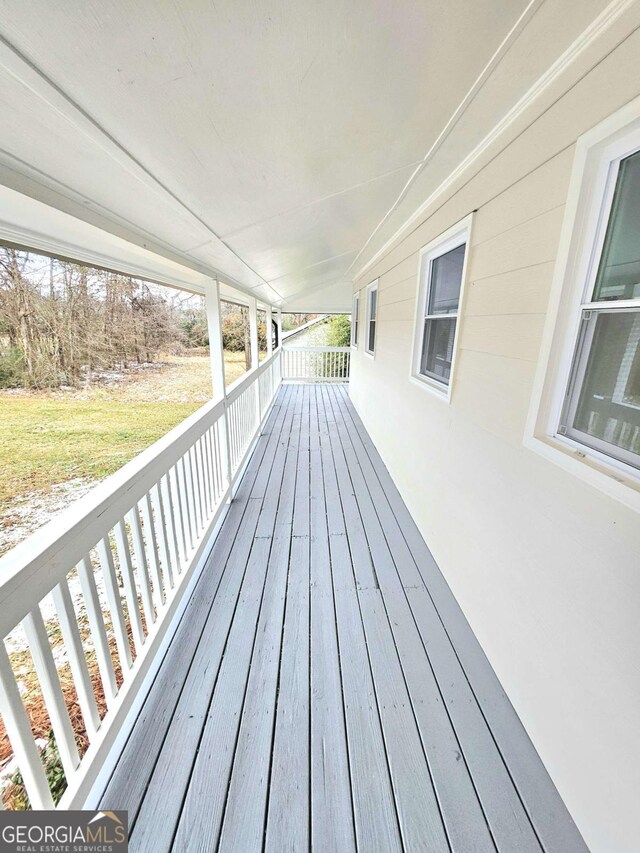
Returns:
<point x="33" y="225"/>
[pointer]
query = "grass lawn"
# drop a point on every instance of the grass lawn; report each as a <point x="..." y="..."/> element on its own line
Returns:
<point x="45" y="441"/>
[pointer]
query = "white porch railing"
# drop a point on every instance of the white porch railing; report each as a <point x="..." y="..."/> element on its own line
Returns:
<point x="109" y="574"/>
<point x="315" y="364"/>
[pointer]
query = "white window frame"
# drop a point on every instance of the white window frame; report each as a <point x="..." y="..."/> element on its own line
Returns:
<point x="458" y="235"/>
<point x="355" y="320"/>
<point x="371" y="288"/>
<point x="593" y="179"/>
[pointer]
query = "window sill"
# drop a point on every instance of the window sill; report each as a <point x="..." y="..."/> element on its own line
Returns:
<point x="442" y="392"/>
<point x="370" y="355"/>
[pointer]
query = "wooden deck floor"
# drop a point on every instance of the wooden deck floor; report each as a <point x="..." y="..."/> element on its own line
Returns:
<point x="323" y="690"/>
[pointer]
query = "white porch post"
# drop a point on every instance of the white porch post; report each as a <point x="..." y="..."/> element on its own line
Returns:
<point x="255" y="360"/>
<point x="269" y="322"/>
<point x="280" y="364"/>
<point x="216" y="354"/>
<point x="253" y="331"/>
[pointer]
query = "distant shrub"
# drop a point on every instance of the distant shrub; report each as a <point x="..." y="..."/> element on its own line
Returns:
<point x="234" y="332"/>
<point x="194" y="327"/>
<point x="11" y="368"/>
<point x="339" y="330"/>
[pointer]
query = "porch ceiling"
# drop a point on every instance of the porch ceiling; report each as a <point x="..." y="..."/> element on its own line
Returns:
<point x="264" y="141"/>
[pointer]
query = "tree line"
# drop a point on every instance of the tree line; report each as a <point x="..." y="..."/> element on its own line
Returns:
<point x="62" y="323"/>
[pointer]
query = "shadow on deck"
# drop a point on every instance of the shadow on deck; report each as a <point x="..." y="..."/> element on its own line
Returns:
<point x="323" y="689"/>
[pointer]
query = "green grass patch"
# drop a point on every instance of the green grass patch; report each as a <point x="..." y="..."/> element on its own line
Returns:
<point x="44" y="441"/>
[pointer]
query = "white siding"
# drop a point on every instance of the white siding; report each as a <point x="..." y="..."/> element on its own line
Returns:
<point x="546" y="568"/>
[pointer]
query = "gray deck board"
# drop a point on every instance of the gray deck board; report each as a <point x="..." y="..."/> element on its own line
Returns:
<point x="546" y="810"/>
<point x="332" y="827"/>
<point x="502" y="806"/>
<point x="439" y="704"/>
<point x="323" y="690"/>
<point x="288" y="806"/>
<point x="154" y="830"/>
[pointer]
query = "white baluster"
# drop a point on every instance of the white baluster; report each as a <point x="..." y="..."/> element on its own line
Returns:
<point x="52" y="694"/>
<point x="98" y="632"/>
<point x="115" y="604"/>
<point x="18" y="729"/>
<point x="153" y="554"/>
<point x="77" y="660"/>
<point x="131" y="594"/>
<point x="141" y="564"/>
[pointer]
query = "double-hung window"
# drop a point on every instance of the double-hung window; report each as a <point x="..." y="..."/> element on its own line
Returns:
<point x="355" y="319"/>
<point x="601" y="408"/>
<point x="441" y="276"/>
<point x="372" y="315"/>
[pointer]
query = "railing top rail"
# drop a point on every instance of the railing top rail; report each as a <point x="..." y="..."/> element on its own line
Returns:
<point x="291" y="333"/>
<point x="242" y="383"/>
<point x="288" y="348"/>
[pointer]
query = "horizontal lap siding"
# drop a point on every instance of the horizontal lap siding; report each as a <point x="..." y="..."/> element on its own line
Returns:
<point x="544" y="566"/>
<point x="523" y="291"/>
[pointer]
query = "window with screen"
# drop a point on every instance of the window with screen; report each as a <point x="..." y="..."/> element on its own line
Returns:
<point x="602" y="402"/>
<point x="441" y="274"/>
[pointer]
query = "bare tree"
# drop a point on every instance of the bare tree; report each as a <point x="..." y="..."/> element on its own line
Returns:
<point x="60" y="322"/>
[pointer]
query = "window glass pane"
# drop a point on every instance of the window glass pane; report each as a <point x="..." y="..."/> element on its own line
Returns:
<point x="437" y="348"/>
<point x="373" y="303"/>
<point x="619" y="271"/>
<point x="372" y="336"/>
<point x="446" y="278"/>
<point x="609" y="402"/>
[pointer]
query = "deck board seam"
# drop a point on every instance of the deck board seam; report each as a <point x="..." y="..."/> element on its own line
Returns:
<point x="268" y="567"/>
